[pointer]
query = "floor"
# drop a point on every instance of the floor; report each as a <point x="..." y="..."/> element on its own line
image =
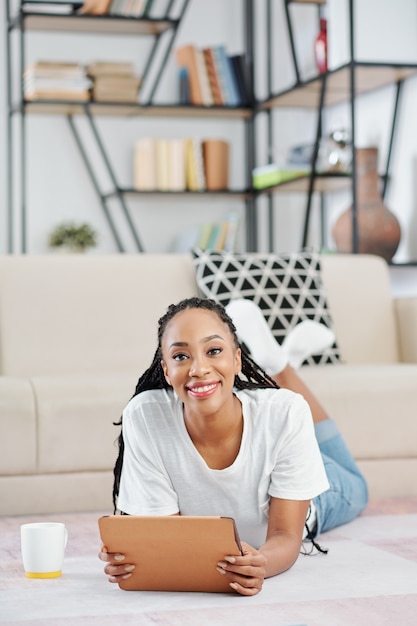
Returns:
<point x="369" y="577"/>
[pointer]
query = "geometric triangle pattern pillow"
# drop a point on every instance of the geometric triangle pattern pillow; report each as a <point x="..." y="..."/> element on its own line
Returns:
<point x="287" y="288"/>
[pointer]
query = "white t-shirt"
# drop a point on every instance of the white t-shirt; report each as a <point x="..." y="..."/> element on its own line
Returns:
<point x="163" y="473"/>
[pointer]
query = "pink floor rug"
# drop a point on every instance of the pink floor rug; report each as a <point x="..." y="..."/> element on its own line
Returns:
<point x="368" y="578"/>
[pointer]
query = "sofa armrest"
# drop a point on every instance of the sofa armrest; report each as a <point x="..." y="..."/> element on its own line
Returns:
<point x="406" y="315"/>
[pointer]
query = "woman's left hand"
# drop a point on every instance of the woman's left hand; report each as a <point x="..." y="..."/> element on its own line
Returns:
<point x="246" y="573"/>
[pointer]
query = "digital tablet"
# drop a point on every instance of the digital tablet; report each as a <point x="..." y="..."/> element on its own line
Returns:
<point x="172" y="553"/>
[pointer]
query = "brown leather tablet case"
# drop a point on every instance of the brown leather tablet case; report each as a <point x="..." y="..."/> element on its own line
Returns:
<point x="172" y="553"/>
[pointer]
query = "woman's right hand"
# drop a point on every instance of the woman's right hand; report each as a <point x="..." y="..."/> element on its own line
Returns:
<point x="115" y="568"/>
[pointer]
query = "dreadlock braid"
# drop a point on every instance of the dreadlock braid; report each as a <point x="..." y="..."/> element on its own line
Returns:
<point x="251" y="376"/>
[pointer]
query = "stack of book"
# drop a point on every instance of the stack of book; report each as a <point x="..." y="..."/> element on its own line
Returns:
<point x="169" y="165"/>
<point x="211" y="77"/>
<point x="113" y="81"/>
<point x="218" y="236"/>
<point x="56" y="80"/>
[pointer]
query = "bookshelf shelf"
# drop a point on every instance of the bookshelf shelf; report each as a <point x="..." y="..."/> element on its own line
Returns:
<point x="56" y="107"/>
<point x="103" y="24"/>
<point x="368" y="77"/>
<point x="231" y="194"/>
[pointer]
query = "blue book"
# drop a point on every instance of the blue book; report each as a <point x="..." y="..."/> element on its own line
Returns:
<point x="226" y="76"/>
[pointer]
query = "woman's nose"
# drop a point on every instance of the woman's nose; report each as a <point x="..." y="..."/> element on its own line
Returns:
<point x="198" y="366"/>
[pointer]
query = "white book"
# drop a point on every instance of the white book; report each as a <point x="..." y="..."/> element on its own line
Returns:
<point x="177" y="179"/>
<point x="162" y="164"/>
<point x="144" y="175"/>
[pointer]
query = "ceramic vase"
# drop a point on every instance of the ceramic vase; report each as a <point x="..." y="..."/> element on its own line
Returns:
<point x="378" y="229"/>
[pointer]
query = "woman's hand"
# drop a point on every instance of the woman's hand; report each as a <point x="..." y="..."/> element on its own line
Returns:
<point x="246" y="573"/>
<point x="115" y="569"/>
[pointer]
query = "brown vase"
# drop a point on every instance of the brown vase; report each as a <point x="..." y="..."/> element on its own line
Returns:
<point x="378" y="229"/>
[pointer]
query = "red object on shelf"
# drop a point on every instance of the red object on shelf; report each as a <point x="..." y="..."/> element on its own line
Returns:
<point x="320" y="47"/>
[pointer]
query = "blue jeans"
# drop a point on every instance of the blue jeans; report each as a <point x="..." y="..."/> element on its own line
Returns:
<point x="348" y="492"/>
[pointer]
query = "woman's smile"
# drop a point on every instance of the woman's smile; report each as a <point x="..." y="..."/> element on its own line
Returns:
<point x="200" y="390"/>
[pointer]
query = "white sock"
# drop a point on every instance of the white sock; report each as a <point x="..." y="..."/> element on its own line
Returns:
<point x="305" y="339"/>
<point x="252" y="328"/>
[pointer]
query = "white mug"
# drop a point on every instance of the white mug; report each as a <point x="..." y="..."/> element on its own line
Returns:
<point x="43" y="546"/>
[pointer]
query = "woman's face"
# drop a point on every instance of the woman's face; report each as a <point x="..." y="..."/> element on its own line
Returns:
<point x="200" y="360"/>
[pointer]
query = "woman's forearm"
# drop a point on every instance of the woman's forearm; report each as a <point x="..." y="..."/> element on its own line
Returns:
<point x="281" y="550"/>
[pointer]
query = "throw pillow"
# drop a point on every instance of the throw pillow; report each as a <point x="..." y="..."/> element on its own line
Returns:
<point x="286" y="287"/>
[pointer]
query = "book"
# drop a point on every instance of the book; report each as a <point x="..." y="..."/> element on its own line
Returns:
<point x="184" y="86"/>
<point x="95" y="7"/>
<point x="216" y="89"/>
<point x="64" y="8"/>
<point x="204" y="236"/>
<point x="204" y="79"/>
<point x="112" y="68"/>
<point x="228" y="86"/>
<point x="162" y="165"/>
<point x="176" y="161"/>
<point x="194" y="166"/>
<point x="239" y="69"/>
<point x="214" y="235"/>
<point x="229" y="244"/>
<point x="187" y="56"/>
<point x="221" y="237"/>
<point x="144" y="175"/>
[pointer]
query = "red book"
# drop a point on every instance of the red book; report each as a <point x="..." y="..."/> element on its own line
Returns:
<point x="215" y="85"/>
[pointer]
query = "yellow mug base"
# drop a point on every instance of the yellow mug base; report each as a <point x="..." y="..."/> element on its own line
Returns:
<point x="43" y="574"/>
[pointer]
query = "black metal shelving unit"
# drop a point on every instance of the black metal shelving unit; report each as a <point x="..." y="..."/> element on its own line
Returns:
<point x="344" y="84"/>
<point x="163" y="32"/>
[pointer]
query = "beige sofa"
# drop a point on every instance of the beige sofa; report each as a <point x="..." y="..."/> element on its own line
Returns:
<point x="77" y="330"/>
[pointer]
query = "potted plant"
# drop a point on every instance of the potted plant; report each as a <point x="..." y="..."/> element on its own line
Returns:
<point x="73" y="237"/>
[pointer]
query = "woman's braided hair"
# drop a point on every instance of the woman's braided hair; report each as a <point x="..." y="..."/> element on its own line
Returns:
<point x="250" y="377"/>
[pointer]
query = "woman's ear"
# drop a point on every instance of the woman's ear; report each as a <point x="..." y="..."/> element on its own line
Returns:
<point x="238" y="361"/>
<point x="165" y="370"/>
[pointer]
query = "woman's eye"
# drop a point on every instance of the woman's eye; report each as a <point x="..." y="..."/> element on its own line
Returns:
<point x="214" y="351"/>
<point x="179" y="357"/>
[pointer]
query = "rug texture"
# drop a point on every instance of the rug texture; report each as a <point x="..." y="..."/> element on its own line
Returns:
<point x="368" y="578"/>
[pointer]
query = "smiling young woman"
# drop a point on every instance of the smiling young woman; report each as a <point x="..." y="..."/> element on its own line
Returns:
<point x="209" y="432"/>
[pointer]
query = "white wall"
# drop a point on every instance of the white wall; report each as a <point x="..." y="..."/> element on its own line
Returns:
<point x="58" y="184"/>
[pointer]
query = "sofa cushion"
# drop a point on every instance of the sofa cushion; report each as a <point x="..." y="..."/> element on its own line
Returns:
<point x="286" y="287"/>
<point x="75" y="419"/>
<point x="373" y="405"/>
<point x="87" y="313"/>
<point x="17" y="426"/>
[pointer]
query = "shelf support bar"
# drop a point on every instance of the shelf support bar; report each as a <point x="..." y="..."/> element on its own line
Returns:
<point x="250" y="204"/>
<point x="168" y="49"/>
<point x="10" y="152"/>
<point x="352" y="70"/>
<point x="113" y="179"/>
<point x="270" y="120"/>
<point x="95" y="184"/>
<point x="23" y="180"/>
<point x="291" y="37"/>
<point x="313" y="172"/>
<point x="392" y="135"/>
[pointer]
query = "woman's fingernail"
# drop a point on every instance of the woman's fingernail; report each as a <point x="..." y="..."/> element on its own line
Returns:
<point x="126" y="576"/>
<point x="129" y="568"/>
<point x="119" y="557"/>
<point x="233" y="586"/>
<point x="230" y="559"/>
<point x="220" y="570"/>
<point x="221" y="564"/>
